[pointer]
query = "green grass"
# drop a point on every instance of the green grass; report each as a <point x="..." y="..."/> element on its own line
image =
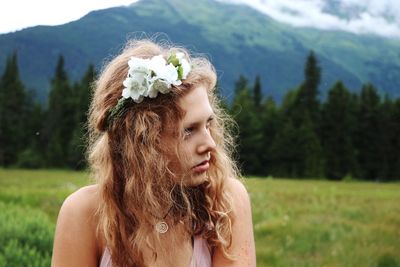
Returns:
<point x="40" y="189"/>
<point x="322" y="223"/>
<point x="296" y="222"/>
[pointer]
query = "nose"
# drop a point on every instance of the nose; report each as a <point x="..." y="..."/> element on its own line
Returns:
<point x="207" y="143"/>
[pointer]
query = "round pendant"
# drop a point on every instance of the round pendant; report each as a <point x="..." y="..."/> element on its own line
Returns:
<point x="162" y="227"/>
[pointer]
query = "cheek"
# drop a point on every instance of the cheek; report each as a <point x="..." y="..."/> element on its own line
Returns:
<point x="184" y="152"/>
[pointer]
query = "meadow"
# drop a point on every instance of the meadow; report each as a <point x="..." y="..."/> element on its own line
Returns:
<point x="296" y="222"/>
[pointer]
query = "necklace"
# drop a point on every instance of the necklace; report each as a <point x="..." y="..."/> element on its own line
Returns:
<point x="162" y="226"/>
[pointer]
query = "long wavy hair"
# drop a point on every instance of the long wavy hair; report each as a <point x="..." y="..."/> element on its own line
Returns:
<point x="131" y="161"/>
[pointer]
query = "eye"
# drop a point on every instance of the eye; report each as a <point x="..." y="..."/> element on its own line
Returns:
<point x="188" y="131"/>
<point x="209" y="123"/>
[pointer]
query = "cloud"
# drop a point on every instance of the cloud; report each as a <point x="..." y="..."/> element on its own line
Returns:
<point x="381" y="17"/>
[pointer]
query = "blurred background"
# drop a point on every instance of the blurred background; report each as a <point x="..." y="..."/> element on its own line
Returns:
<point x="313" y="85"/>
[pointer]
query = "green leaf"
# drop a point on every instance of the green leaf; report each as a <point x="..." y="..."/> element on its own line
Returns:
<point x="117" y="111"/>
<point x="174" y="60"/>
<point x="180" y="72"/>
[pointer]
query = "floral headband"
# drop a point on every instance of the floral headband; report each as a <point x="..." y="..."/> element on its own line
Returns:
<point x="147" y="77"/>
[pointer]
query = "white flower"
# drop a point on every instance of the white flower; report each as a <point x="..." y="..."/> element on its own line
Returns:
<point x="180" y="56"/>
<point x="170" y="75"/>
<point x="184" y="64"/>
<point x="148" y="77"/>
<point x="138" y="64"/>
<point x="133" y="89"/>
<point x="137" y="82"/>
<point x="163" y="71"/>
<point x="156" y="63"/>
<point x="159" y="86"/>
<point x="186" y="68"/>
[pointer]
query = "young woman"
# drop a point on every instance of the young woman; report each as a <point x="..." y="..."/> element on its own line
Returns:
<point x="166" y="191"/>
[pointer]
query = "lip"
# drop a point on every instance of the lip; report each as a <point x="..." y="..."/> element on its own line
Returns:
<point x="202" y="167"/>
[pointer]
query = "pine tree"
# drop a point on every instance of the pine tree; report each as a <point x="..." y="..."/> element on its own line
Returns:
<point x="14" y="108"/>
<point x="60" y="117"/>
<point x="2" y="116"/>
<point x="311" y="151"/>
<point x="307" y="97"/>
<point x="394" y="163"/>
<point x="77" y="145"/>
<point x="257" y="93"/>
<point x="389" y="115"/>
<point x="296" y="151"/>
<point x="241" y="84"/>
<point x="301" y="118"/>
<point x="249" y="125"/>
<point x="270" y="124"/>
<point x="223" y="102"/>
<point x="284" y="155"/>
<point x="368" y="134"/>
<point x="337" y="126"/>
<point x="83" y="94"/>
<point x="33" y="156"/>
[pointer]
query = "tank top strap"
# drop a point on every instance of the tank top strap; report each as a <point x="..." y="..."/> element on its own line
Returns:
<point x="106" y="259"/>
<point x="201" y="255"/>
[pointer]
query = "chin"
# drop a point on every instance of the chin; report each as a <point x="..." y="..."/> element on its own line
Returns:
<point x="196" y="179"/>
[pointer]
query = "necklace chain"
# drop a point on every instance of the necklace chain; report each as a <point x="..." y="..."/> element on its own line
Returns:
<point x="162" y="226"/>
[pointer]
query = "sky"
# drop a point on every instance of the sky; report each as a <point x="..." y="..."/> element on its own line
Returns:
<point x="381" y="17"/>
<point x="19" y="14"/>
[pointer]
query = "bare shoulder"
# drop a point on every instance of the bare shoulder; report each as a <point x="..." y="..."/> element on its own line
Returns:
<point x="75" y="242"/>
<point x="240" y="196"/>
<point x="81" y="202"/>
<point x="236" y="187"/>
<point x="80" y="207"/>
<point x="242" y="246"/>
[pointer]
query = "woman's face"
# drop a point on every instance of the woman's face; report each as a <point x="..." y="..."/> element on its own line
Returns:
<point x="197" y="144"/>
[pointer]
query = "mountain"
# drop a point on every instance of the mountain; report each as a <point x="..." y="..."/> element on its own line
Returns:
<point x="236" y="38"/>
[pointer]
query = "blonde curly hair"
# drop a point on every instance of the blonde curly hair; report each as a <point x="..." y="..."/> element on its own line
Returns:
<point x="131" y="162"/>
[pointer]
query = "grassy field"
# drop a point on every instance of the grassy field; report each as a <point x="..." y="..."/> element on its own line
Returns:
<point x="296" y="222"/>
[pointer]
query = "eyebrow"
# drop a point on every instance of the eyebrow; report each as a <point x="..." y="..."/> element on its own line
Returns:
<point x="197" y="123"/>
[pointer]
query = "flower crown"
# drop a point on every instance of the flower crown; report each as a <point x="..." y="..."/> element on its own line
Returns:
<point x="147" y="77"/>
